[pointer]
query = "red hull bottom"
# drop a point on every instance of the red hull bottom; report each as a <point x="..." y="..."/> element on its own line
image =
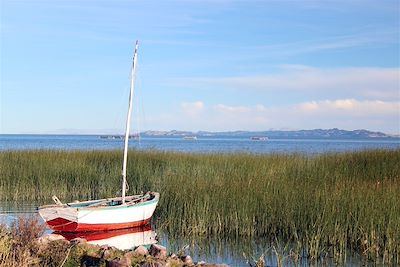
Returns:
<point x="100" y="235"/>
<point x="63" y="225"/>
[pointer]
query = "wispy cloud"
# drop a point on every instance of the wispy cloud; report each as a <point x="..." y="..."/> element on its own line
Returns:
<point x="341" y="113"/>
<point x="345" y="107"/>
<point x="364" y="83"/>
<point x="338" y="42"/>
<point x="356" y="108"/>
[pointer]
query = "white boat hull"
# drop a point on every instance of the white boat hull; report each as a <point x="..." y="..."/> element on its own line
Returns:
<point x="92" y="216"/>
<point x="121" y="239"/>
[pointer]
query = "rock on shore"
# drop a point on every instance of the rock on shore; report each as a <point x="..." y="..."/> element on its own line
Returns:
<point x="78" y="252"/>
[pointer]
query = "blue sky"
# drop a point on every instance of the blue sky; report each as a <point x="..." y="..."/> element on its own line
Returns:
<point x="203" y="65"/>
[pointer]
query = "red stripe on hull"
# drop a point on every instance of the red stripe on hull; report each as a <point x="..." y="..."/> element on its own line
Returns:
<point x="63" y="225"/>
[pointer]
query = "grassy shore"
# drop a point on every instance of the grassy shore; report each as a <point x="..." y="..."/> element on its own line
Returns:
<point x="23" y="244"/>
<point x="320" y="204"/>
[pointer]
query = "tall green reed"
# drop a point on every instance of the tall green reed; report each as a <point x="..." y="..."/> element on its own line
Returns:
<point x="326" y="203"/>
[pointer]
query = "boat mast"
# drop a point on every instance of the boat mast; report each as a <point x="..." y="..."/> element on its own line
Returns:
<point x="128" y="122"/>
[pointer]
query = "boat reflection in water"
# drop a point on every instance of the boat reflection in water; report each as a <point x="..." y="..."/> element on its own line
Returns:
<point x="121" y="239"/>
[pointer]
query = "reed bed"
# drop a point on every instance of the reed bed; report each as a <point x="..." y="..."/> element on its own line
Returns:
<point x="322" y="205"/>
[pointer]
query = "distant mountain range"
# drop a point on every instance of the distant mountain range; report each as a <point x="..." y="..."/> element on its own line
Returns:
<point x="316" y="133"/>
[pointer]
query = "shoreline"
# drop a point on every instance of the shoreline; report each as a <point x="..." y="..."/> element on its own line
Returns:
<point x="24" y="244"/>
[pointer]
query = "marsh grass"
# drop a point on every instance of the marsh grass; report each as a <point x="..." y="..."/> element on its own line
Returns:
<point x="325" y="204"/>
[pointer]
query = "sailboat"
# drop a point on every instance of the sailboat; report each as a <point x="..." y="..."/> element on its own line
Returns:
<point x="109" y="213"/>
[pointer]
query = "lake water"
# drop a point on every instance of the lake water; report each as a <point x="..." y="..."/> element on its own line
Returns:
<point x="211" y="250"/>
<point x="201" y="145"/>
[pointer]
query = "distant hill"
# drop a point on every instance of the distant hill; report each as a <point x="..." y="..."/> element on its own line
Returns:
<point x="316" y="134"/>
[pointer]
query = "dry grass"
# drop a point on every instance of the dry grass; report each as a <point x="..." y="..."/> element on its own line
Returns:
<point x="18" y="246"/>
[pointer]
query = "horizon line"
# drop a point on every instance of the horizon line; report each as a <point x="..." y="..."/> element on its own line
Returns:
<point x="114" y="132"/>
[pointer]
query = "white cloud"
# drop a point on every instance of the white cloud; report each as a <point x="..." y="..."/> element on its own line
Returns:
<point x="260" y="107"/>
<point x="192" y="108"/>
<point x="351" y="107"/>
<point x="309" y="106"/>
<point x="340" y="113"/>
<point x="231" y="109"/>
<point x="346" y="104"/>
<point x="342" y="83"/>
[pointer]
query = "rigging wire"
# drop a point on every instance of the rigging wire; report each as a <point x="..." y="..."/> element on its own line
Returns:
<point x="138" y="105"/>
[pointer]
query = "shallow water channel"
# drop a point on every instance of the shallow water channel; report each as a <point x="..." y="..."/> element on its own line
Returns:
<point x="234" y="252"/>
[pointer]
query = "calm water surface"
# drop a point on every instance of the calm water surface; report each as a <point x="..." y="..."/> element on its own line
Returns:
<point x="201" y="145"/>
